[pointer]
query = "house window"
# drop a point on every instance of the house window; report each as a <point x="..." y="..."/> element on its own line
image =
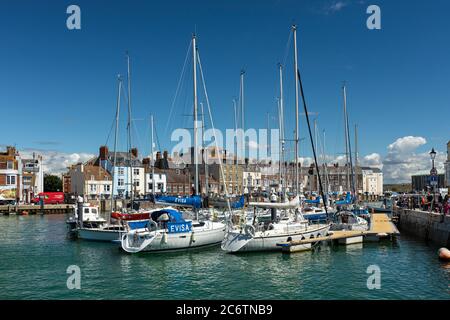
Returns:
<point x="10" y="180"/>
<point x="150" y="186"/>
<point x="160" y="186"/>
<point x="27" y="179"/>
<point x="93" y="187"/>
<point x="107" y="187"/>
<point x="9" y="165"/>
<point x="136" y="172"/>
<point x="136" y="182"/>
<point x="120" y="182"/>
<point x="120" y="171"/>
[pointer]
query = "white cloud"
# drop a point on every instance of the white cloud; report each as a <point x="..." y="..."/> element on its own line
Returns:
<point x="335" y="6"/>
<point x="55" y="162"/>
<point x="406" y="144"/>
<point x="402" y="161"/>
<point x="372" y="160"/>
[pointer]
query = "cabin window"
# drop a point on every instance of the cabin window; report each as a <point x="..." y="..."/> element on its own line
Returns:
<point x="86" y="210"/>
<point x="94" y="210"/>
<point x="10" y="180"/>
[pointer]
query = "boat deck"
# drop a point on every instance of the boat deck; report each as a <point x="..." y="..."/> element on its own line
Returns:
<point x="381" y="227"/>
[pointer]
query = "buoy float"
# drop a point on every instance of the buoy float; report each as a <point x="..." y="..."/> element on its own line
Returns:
<point x="444" y="254"/>
<point x="24" y="213"/>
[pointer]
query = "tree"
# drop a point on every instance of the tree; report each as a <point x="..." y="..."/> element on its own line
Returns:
<point x="52" y="183"/>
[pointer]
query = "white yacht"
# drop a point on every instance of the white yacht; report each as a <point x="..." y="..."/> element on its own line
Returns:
<point x="171" y="233"/>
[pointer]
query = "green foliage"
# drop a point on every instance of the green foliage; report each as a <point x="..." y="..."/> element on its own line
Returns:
<point x="52" y="183"/>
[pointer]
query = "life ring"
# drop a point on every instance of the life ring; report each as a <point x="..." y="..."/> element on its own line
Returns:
<point x="249" y="230"/>
<point x="152" y="225"/>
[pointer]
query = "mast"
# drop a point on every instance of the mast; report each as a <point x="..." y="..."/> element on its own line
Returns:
<point x="356" y="160"/>
<point x="294" y="29"/>
<point x="243" y="128"/>
<point x="317" y="146"/>
<point x="194" y="64"/>
<point x="235" y="143"/>
<point x="344" y="95"/>
<point x="350" y="173"/>
<point x="130" y="169"/>
<point x="327" y="182"/>
<point x="205" y="154"/>
<point x="152" y="156"/>
<point x="280" y="66"/>
<point x="119" y="80"/>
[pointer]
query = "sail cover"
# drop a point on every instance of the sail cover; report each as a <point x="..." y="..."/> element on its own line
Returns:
<point x="192" y="201"/>
<point x="174" y="215"/>
<point x="347" y="200"/>
<point x="286" y="205"/>
<point x="315" y="201"/>
<point x="238" y="204"/>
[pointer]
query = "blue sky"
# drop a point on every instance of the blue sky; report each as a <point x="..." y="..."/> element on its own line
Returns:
<point x="59" y="86"/>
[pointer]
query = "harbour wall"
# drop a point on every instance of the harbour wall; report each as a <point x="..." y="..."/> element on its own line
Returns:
<point x="427" y="225"/>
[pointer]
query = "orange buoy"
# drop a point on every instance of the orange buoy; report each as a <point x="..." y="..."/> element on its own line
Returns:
<point x="24" y="213"/>
<point x="444" y="254"/>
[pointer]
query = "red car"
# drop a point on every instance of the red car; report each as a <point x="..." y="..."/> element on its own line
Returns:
<point x="49" y="198"/>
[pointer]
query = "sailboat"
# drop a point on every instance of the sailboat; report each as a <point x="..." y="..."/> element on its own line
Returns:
<point x="346" y="217"/>
<point x="167" y="230"/>
<point x="286" y="221"/>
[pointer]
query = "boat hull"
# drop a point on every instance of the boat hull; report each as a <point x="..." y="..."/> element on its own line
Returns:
<point x="267" y="242"/>
<point x="169" y="242"/>
<point x="94" y="234"/>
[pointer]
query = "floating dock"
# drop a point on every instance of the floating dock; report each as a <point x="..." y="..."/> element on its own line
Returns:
<point x="25" y="209"/>
<point x="381" y="227"/>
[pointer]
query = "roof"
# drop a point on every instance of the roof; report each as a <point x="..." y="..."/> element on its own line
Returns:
<point x="99" y="173"/>
<point x="122" y="160"/>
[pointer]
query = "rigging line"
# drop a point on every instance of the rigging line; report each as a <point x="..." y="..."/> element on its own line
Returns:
<point x="214" y="131"/>
<point x="110" y="130"/>
<point x="178" y="87"/>
<point x="312" y="140"/>
<point x="288" y="46"/>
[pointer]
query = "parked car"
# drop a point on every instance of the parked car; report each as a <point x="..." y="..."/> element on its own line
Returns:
<point x="49" y="198"/>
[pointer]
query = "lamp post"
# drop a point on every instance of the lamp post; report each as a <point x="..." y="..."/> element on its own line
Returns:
<point x="433" y="176"/>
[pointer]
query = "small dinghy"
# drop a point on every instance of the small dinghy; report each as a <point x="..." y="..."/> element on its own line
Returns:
<point x="444" y="254"/>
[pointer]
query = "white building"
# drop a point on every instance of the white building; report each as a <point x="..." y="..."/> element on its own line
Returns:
<point x="372" y="181"/>
<point x="93" y="182"/>
<point x="160" y="182"/>
<point x="251" y="181"/>
<point x="32" y="177"/>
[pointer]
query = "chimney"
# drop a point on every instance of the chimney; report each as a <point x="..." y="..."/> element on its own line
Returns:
<point x="11" y="151"/>
<point x="166" y="154"/>
<point x="146" y="162"/>
<point x="158" y="155"/>
<point x="134" y="152"/>
<point x="103" y="152"/>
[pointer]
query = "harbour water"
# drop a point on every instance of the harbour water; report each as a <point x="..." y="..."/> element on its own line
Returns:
<point x="35" y="254"/>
